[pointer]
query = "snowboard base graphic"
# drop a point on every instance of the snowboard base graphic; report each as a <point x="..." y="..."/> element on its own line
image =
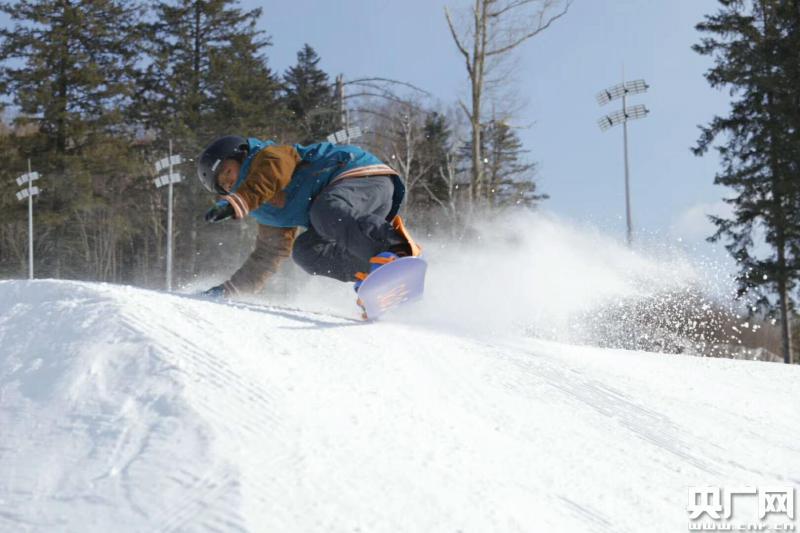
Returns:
<point x="393" y="284"/>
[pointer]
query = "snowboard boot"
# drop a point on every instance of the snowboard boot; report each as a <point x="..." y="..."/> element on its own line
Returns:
<point x="409" y="248"/>
<point x="375" y="263"/>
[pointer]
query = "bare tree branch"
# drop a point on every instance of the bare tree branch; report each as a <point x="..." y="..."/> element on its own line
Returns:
<point x="458" y="41"/>
<point x="388" y="80"/>
<point x="390" y="97"/>
<point x="433" y="195"/>
<point x="541" y="27"/>
<point x="464" y="107"/>
<point x="384" y="92"/>
<point x="368" y="111"/>
<point x="509" y="7"/>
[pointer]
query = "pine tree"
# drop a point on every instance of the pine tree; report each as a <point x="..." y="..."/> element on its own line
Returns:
<point x="13" y="217"/>
<point x="70" y="73"/>
<point x="754" y="47"/>
<point x="208" y="78"/>
<point x="434" y="151"/>
<point x="246" y="92"/>
<point x="509" y="176"/>
<point x="309" y="96"/>
<point x="208" y="73"/>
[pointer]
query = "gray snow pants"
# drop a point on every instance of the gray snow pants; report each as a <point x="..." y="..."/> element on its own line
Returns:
<point x="348" y="226"/>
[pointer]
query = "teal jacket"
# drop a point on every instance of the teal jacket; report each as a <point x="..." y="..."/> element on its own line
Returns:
<point x="315" y="167"/>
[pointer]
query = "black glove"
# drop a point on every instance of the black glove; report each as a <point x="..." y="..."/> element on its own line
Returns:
<point x="215" y="292"/>
<point x="221" y="211"/>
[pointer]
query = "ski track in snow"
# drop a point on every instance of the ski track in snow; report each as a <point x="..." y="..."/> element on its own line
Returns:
<point x="130" y="410"/>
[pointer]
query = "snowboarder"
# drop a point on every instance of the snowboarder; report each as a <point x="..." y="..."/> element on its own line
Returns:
<point x="345" y="197"/>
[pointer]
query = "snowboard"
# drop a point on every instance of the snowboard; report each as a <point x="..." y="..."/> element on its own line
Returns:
<point x="393" y="284"/>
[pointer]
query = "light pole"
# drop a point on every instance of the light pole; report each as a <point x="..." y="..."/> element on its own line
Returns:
<point x="169" y="179"/>
<point x="623" y="90"/>
<point x="29" y="193"/>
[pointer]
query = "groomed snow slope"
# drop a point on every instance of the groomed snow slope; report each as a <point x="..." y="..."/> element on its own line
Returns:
<point x="130" y="410"/>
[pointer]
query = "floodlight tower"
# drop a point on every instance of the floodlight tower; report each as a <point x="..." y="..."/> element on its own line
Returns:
<point x="170" y="179"/>
<point x="623" y="90"/>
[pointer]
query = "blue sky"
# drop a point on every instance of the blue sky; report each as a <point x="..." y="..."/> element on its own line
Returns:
<point x="558" y="74"/>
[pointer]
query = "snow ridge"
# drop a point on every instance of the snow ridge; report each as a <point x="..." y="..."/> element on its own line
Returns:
<point x="131" y="410"/>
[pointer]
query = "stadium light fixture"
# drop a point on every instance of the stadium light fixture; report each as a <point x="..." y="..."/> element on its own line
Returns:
<point x="618" y="117"/>
<point x="345" y="135"/>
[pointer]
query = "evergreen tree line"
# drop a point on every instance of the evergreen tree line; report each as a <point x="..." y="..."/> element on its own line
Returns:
<point x="754" y="45"/>
<point x="94" y="91"/>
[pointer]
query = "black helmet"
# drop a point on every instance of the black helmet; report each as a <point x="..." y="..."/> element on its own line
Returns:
<point x="210" y="161"/>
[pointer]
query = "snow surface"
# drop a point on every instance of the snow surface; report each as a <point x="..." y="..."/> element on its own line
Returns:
<point x="124" y="409"/>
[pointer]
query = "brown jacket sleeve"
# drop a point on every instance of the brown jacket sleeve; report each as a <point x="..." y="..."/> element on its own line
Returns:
<point x="270" y="173"/>
<point x="272" y="246"/>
